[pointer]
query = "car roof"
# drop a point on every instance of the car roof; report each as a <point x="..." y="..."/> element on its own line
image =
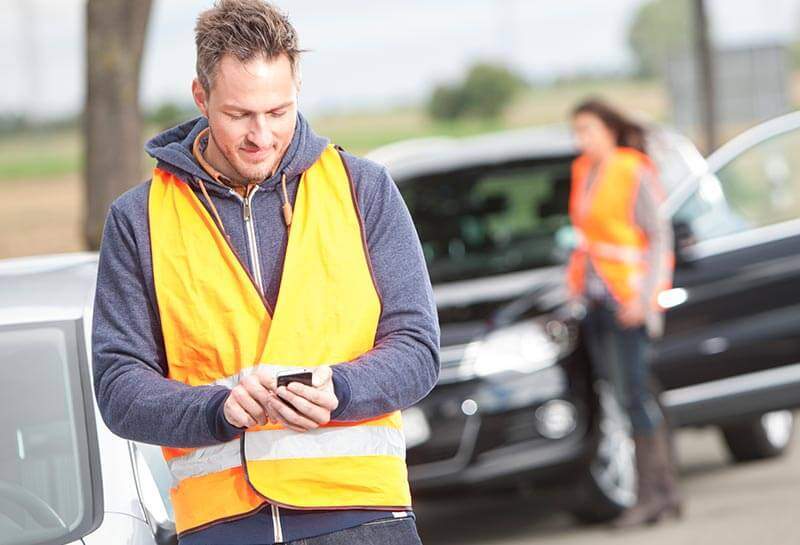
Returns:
<point x="423" y="156"/>
<point x="676" y="156"/>
<point x="45" y="288"/>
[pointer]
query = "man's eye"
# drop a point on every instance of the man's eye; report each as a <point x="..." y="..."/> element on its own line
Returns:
<point x="278" y="113"/>
<point x="237" y="116"/>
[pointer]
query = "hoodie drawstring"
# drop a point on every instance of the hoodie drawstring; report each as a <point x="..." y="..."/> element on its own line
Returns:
<point x="211" y="205"/>
<point x="287" y="208"/>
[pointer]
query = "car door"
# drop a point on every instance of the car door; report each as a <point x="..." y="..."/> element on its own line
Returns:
<point x="736" y="296"/>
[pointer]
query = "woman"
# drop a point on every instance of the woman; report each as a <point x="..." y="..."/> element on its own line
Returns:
<point x="622" y="261"/>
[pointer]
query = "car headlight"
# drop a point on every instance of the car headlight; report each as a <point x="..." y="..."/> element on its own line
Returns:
<point x="523" y="347"/>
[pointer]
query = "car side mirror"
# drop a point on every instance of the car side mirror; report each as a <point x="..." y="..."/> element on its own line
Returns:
<point x="683" y="238"/>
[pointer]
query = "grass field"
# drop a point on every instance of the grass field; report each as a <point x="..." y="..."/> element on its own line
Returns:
<point x="40" y="155"/>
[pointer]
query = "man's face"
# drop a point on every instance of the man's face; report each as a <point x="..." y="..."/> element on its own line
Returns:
<point x="252" y="111"/>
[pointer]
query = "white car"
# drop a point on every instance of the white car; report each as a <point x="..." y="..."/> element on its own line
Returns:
<point x="64" y="477"/>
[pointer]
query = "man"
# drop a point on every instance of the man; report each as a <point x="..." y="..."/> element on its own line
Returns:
<point x="257" y="248"/>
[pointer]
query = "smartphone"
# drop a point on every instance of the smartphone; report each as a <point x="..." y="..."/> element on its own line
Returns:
<point x="287" y="377"/>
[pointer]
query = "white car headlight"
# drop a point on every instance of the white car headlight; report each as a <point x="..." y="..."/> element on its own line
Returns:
<point x="524" y="347"/>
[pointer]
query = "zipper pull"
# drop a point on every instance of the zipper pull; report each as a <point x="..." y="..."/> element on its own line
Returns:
<point x="247" y="210"/>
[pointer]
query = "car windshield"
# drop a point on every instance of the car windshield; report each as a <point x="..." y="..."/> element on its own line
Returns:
<point x="492" y="220"/>
<point x="41" y="496"/>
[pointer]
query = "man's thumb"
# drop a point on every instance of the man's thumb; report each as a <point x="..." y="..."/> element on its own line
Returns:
<point x="321" y="375"/>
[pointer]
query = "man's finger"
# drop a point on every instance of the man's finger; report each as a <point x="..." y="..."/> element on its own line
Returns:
<point x="237" y="416"/>
<point x="288" y="425"/>
<point x="291" y="416"/>
<point x="266" y="377"/>
<point x="321" y="398"/>
<point x="256" y="390"/>
<point x="321" y="375"/>
<point x="302" y="406"/>
<point x="252" y="407"/>
<point x="272" y="415"/>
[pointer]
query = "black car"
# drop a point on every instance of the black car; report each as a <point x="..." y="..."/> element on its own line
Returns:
<point x="516" y="404"/>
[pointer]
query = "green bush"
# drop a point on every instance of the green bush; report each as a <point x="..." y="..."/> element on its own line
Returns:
<point x="485" y="92"/>
<point x="446" y="103"/>
<point x="169" y="114"/>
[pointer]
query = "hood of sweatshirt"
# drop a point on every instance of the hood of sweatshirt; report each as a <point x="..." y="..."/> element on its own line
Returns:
<point x="173" y="151"/>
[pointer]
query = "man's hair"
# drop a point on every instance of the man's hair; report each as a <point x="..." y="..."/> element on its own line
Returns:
<point x="244" y="29"/>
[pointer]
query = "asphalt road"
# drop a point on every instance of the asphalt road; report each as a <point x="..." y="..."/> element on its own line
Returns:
<point x="757" y="503"/>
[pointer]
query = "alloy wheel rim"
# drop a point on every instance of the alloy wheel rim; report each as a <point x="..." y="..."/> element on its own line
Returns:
<point x="614" y="465"/>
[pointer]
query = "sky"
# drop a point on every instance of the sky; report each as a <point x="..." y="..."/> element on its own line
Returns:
<point x="363" y="54"/>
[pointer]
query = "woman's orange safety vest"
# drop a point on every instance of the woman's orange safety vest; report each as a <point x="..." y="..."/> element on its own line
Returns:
<point x="603" y="217"/>
<point x="217" y="329"/>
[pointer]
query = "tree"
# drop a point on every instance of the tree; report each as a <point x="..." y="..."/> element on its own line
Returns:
<point x="484" y="93"/>
<point x="446" y="103"/>
<point x="659" y="28"/>
<point x="115" y="33"/>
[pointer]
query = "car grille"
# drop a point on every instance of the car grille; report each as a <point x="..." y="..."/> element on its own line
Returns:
<point x="451" y="359"/>
<point x="443" y="444"/>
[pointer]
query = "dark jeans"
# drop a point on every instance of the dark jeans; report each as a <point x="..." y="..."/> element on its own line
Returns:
<point x="619" y="355"/>
<point x="383" y="532"/>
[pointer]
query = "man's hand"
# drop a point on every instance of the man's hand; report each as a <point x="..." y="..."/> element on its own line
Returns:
<point x="248" y="403"/>
<point x="631" y="314"/>
<point x="303" y="408"/>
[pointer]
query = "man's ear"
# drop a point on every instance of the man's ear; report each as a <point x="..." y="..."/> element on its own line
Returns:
<point x="200" y="97"/>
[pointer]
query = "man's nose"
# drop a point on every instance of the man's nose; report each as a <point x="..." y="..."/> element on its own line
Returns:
<point x="260" y="133"/>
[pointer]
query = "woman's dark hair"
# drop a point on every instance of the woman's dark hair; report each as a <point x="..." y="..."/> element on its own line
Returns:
<point x="628" y="133"/>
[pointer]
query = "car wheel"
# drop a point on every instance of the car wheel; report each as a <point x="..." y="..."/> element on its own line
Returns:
<point x="610" y="484"/>
<point x="765" y="436"/>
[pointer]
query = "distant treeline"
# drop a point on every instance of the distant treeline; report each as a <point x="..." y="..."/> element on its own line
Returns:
<point x="163" y="116"/>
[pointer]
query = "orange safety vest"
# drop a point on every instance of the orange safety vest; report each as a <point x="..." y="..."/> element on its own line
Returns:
<point x="607" y="232"/>
<point x="217" y="329"/>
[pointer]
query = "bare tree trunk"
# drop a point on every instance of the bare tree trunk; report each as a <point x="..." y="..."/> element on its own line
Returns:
<point x="705" y="82"/>
<point x="115" y="33"/>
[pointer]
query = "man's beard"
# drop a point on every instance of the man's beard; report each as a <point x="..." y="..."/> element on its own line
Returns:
<point x="254" y="174"/>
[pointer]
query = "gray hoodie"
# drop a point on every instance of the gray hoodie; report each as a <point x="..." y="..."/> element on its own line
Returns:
<point x="136" y="399"/>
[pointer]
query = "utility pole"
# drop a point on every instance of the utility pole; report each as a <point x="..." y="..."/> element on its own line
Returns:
<point x="704" y="61"/>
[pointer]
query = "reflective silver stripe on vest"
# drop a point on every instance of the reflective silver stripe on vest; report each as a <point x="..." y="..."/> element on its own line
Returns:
<point x="326" y="443"/>
<point x="612" y="252"/>
<point x="606" y="250"/>
<point x="287" y="444"/>
<point x="206" y="460"/>
<point x="616" y="252"/>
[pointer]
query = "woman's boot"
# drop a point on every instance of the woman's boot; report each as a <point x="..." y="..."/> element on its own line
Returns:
<point x="651" y="502"/>
<point x="668" y="478"/>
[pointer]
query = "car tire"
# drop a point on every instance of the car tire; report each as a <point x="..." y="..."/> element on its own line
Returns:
<point x="765" y="436"/>
<point x="609" y="485"/>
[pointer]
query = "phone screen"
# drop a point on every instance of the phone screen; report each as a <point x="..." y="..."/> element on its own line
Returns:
<point x="302" y="378"/>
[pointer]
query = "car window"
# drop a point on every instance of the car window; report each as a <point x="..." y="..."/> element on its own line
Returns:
<point x="40" y="487"/>
<point x="763" y="183"/>
<point x="707" y="212"/>
<point x="759" y="187"/>
<point x="489" y="221"/>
